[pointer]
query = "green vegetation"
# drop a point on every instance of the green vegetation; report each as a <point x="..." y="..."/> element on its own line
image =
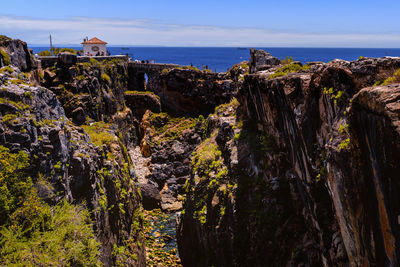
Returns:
<point x="344" y="128"/>
<point x="206" y="155"/>
<point x="99" y="133"/>
<point x="231" y="106"/>
<point x="45" y="53"/>
<point x="33" y="233"/>
<point x="19" y="105"/>
<point x="164" y="71"/>
<point x="142" y="93"/>
<point x="287" y="60"/>
<point x="93" y="61"/>
<point x="393" y="79"/>
<point x="188" y="68"/>
<point x="5" y="56"/>
<point x="55" y="51"/>
<point x="344" y="144"/>
<point x="7" y="69"/>
<point x="167" y="128"/>
<point x="4" y="38"/>
<point x="337" y="96"/>
<point x="106" y="78"/>
<point x="290" y="68"/>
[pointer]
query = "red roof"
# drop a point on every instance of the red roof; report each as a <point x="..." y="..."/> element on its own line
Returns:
<point x="94" y="41"/>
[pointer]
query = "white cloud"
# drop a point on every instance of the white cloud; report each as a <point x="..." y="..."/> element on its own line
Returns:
<point x="148" y="32"/>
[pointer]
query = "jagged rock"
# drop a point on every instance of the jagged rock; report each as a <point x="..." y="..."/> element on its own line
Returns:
<point x="139" y="102"/>
<point x="151" y="196"/>
<point x="34" y="121"/>
<point x="97" y="87"/>
<point x="18" y="53"/>
<point x="66" y="59"/>
<point x="194" y="92"/>
<point x="305" y="166"/>
<point x="261" y="60"/>
<point x="79" y="116"/>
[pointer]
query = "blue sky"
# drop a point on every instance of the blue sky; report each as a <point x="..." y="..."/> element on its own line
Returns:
<point x="308" y="23"/>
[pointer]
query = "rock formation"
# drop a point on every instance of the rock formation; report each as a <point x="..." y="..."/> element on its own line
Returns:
<point x="273" y="163"/>
<point x="312" y="180"/>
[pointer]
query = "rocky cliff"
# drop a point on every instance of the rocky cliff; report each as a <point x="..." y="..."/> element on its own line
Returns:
<point x="86" y="165"/>
<point x="309" y="174"/>
<point x="273" y="163"/>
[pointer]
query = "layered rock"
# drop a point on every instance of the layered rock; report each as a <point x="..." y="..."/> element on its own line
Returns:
<point x="297" y="193"/>
<point x="83" y="165"/>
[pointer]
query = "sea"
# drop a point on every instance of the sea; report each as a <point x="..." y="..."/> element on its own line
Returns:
<point x="220" y="59"/>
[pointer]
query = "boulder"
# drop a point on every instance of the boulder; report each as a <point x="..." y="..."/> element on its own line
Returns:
<point x="261" y="60"/>
<point x="67" y="59"/>
<point x="151" y="196"/>
<point x="18" y="54"/>
<point x="79" y="116"/>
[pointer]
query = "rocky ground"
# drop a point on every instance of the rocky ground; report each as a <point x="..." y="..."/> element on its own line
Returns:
<point x="273" y="163"/>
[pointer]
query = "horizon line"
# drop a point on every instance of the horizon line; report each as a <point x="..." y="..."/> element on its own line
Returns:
<point x="190" y="46"/>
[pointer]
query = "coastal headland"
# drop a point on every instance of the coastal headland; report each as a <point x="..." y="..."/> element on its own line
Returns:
<point x="108" y="162"/>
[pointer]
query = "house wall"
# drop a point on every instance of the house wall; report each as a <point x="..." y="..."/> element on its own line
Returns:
<point x="87" y="48"/>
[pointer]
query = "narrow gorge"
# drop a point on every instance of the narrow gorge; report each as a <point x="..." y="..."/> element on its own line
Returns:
<point x="273" y="163"/>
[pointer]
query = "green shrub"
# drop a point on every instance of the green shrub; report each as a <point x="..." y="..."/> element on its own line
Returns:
<point x="45" y="53"/>
<point x="106" y="78"/>
<point x="7" y="69"/>
<point x="33" y="233"/>
<point x="14" y="184"/>
<point x="4" y="38"/>
<point x="99" y="133"/>
<point x="69" y="50"/>
<point x="287" y="60"/>
<point x="93" y="61"/>
<point x="344" y="144"/>
<point x="142" y="93"/>
<point x="289" y="68"/>
<point x="5" y="56"/>
<point x="338" y="97"/>
<point x="277" y="74"/>
<point x="188" y="68"/>
<point x="67" y="237"/>
<point x="394" y="79"/>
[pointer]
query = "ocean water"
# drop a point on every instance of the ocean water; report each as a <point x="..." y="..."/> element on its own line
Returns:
<point x="221" y="58"/>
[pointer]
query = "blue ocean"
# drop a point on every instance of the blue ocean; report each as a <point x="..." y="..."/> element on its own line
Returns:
<point x="221" y="58"/>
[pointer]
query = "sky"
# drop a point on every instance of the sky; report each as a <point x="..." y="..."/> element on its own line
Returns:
<point x="257" y="23"/>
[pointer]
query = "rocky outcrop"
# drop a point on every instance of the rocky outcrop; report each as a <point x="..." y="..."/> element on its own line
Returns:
<point x="261" y="60"/>
<point x="169" y="142"/>
<point x="140" y="102"/>
<point x="83" y="165"/>
<point x="96" y="88"/>
<point x="192" y="92"/>
<point x="311" y="182"/>
<point x="16" y="53"/>
<point x="374" y="120"/>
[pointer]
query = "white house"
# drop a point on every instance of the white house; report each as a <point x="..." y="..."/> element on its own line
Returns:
<point x="94" y="47"/>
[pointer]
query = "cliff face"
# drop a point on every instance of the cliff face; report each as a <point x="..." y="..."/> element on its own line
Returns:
<point x="192" y="92"/>
<point x="87" y="165"/>
<point x="296" y="168"/>
<point x="313" y="185"/>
